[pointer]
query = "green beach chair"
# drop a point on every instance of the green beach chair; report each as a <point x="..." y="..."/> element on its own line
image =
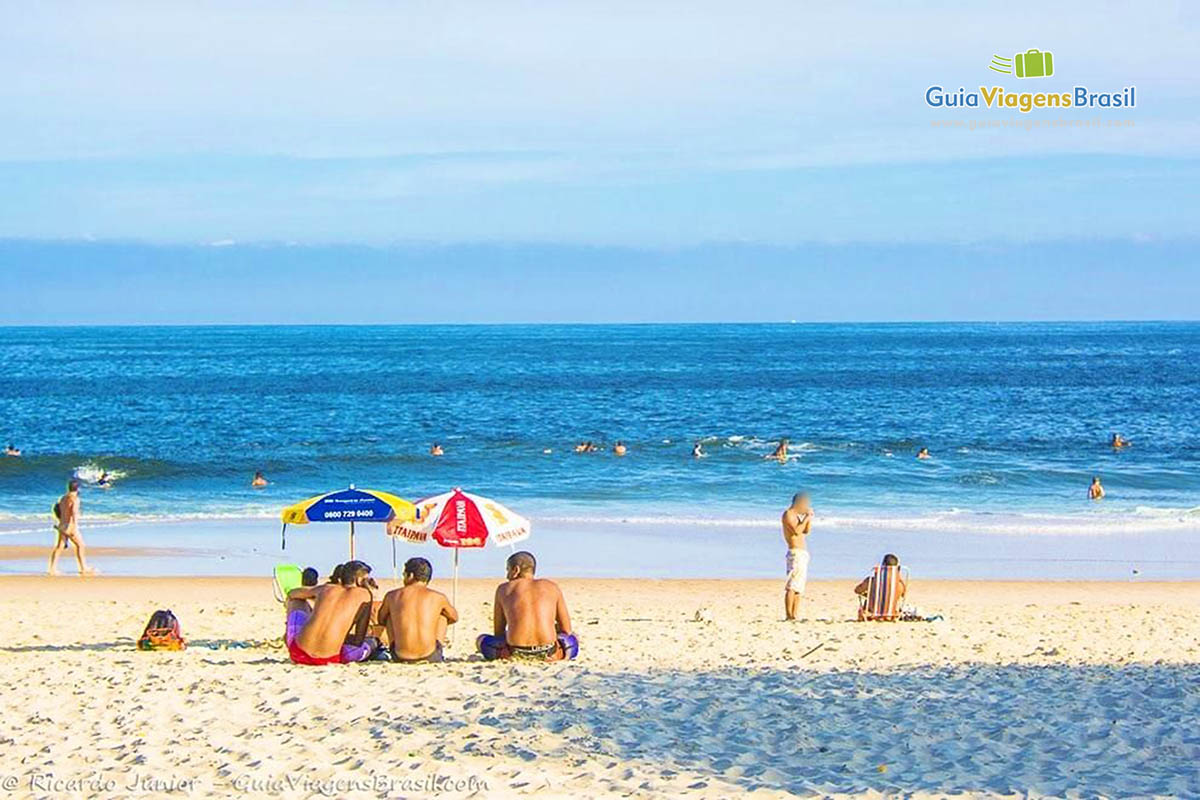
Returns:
<point x="285" y="578"/>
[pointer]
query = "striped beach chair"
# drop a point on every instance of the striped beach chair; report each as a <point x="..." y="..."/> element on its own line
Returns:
<point x="882" y="601"/>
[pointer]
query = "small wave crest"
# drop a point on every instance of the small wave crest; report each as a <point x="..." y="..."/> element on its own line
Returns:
<point x="91" y="473"/>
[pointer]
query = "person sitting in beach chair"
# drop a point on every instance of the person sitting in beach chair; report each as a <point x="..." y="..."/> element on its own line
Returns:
<point x="334" y="632"/>
<point x="416" y="616"/>
<point x="881" y="593"/>
<point x="529" y="616"/>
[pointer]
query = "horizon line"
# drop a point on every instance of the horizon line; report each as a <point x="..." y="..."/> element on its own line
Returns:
<point x="580" y="324"/>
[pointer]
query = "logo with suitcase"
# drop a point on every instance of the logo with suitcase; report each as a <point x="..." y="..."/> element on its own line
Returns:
<point x="1032" y="63"/>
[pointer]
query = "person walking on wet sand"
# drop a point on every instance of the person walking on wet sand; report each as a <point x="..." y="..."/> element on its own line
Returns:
<point x="797" y="522"/>
<point x="67" y="530"/>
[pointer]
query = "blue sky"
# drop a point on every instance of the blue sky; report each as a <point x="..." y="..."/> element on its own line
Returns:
<point x="641" y="131"/>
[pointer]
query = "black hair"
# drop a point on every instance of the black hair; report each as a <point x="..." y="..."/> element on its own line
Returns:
<point x="419" y="568"/>
<point x="522" y="561"/>
<point x="890" y="560"/>
<point x="310" y="577"/>
<point x="336" y="575"/>
<point x="352" y="571"/>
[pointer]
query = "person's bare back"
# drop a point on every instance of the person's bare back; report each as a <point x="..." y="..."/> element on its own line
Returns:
<point x="530" y="612"/>
<point x="416" y="616"/>
<point x="336" y="609"/>
<point x="529" y="617"/>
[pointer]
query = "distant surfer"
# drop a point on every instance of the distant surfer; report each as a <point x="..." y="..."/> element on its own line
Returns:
<point x="104" y="482"/>
<point x="258" y="481"/>
<point x="781" y="451"/>
<point x="436" y="450"/>
<point x="66" y="528"/>
<point x="697" y="450"/>
<point x="12" y="450"/>
<point x="923" y="453"/>
<point x="1095" y="491"/>
<point x="1118" y="441"/>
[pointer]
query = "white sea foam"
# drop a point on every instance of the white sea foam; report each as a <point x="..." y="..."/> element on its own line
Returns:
<point x="1141" y="520"/>
<point x="91" y="472"/>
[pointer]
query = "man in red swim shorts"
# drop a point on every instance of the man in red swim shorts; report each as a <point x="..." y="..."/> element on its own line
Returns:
<point x="335" y="631"/>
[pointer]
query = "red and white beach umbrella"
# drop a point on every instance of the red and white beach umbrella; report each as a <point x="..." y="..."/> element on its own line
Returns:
<point x="458" y="520"/>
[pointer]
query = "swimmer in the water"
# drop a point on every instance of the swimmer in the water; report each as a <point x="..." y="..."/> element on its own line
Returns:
<point x="12" y="450"/>
<point x="592" y="447"/>
<point x="781" y="451"/>
<point x="104" y="481"/>
<point x="1119" y="441"/>
<point x="697" y="450"/>
<point x="1096" y="491"/>
<point x="258" y="481"/>
<point x="436" y="450"/>
<point x="923" y="453"/>
<point x="581" y="447"/>
<point x="620" y="449"/>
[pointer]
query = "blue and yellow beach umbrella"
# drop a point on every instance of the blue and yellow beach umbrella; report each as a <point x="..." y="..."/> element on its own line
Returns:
<point x="348" y="505"/>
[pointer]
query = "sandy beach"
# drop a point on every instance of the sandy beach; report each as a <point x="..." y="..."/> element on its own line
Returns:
<point x="684" y="688"/>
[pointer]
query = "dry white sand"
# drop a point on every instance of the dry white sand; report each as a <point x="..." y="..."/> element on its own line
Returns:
<point x="1024" y="689"/>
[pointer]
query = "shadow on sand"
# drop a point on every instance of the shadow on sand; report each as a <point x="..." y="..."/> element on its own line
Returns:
<point x="978" y="729"/>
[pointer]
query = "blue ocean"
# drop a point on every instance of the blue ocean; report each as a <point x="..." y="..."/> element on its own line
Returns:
<point x="1017" y="418"/>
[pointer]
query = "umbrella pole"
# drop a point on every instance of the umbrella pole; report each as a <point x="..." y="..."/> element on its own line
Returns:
<point x="454" y="594"/>
<point x="351" y="541"/>
<point x="453" y="598"/>
<point x="395" y="572"/>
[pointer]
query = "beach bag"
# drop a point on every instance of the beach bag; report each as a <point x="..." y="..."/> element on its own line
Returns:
<point x="162" y="633"/>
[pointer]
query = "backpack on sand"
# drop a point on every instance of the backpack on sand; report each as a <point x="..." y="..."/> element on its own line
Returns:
<point x="162" y="633"/>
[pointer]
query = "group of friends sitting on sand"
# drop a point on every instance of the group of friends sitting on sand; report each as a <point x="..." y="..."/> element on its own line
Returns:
<point x="340" y="622"/>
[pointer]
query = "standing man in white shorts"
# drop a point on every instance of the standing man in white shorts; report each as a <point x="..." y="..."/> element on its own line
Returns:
<point x="797" y="522"/>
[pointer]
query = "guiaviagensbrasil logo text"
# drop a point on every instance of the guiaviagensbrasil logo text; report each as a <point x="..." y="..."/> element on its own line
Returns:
<point x="1032" y="63"/>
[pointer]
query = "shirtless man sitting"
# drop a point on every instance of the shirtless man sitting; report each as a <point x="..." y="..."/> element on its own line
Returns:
<point x="335" y="631"/>
<point x="530" y="619"/>
<point x="416" y="616"/>
<point x="67" y="529"/>
<point x="797" y="522"/>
